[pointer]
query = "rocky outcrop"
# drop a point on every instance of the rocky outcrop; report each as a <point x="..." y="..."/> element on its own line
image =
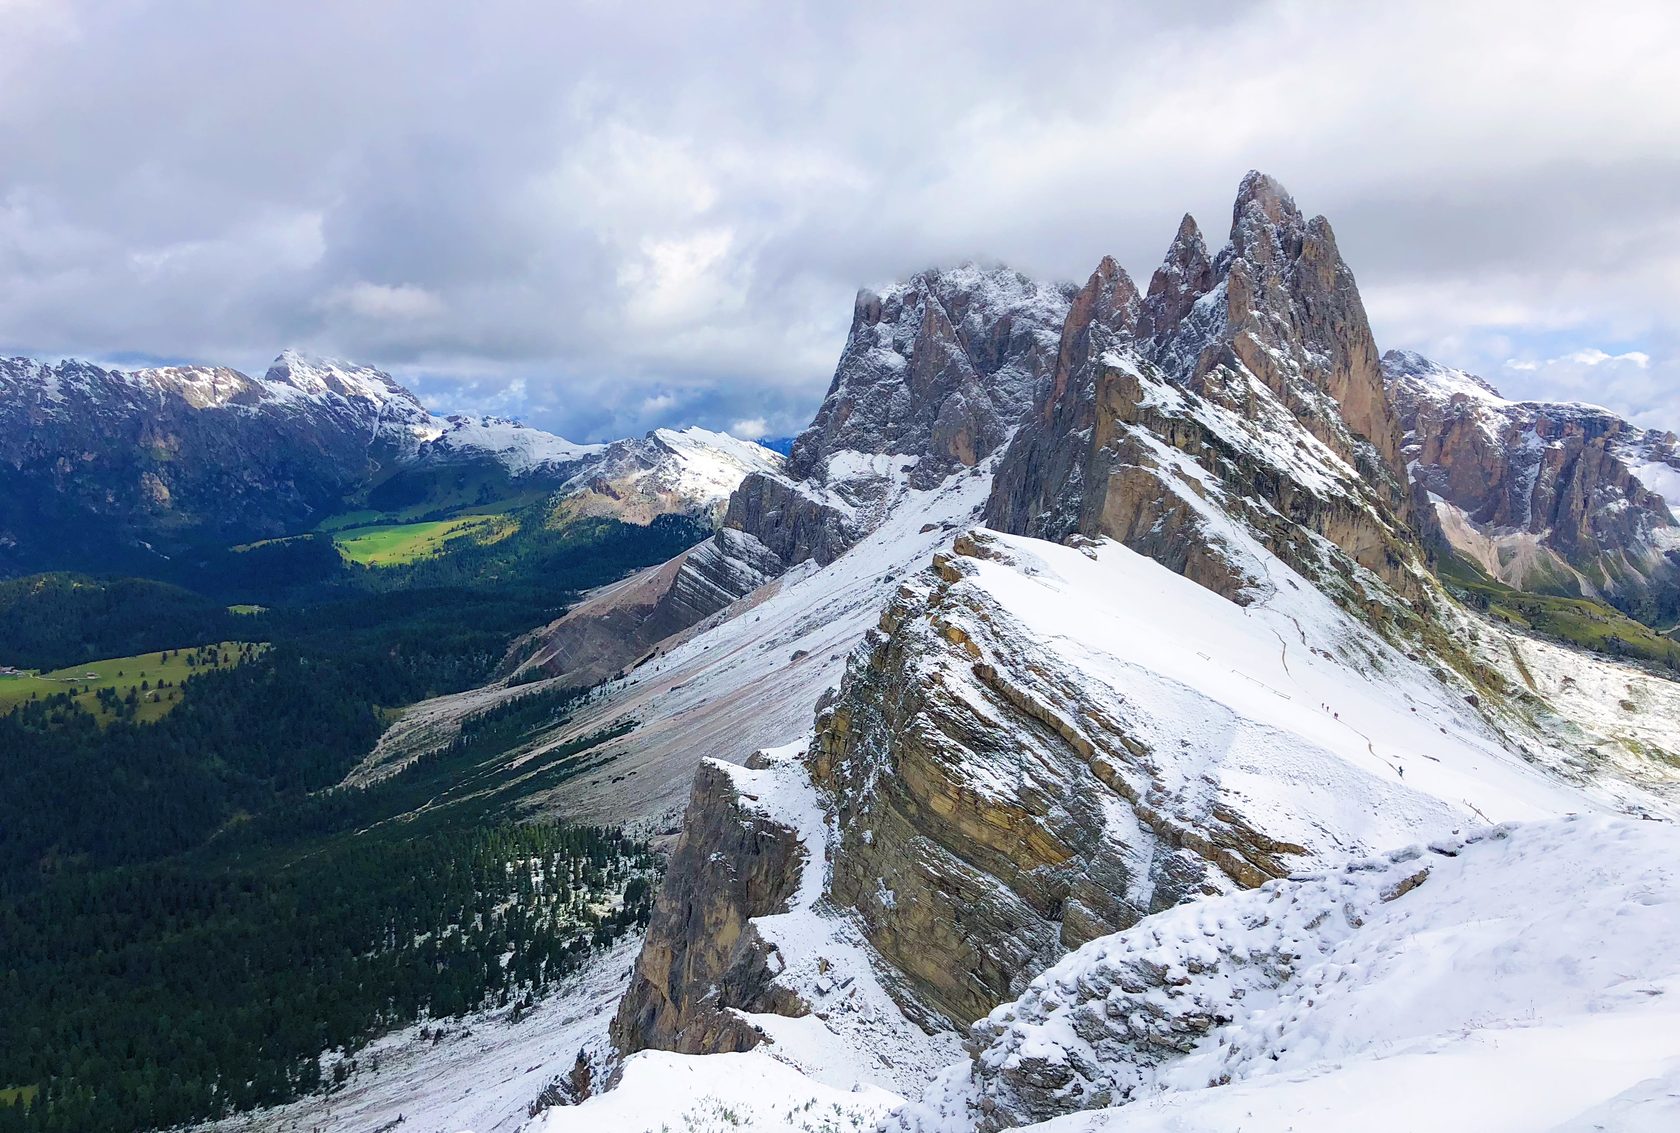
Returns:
<point x="939" y="368"/>
<point x="1259" y="367"/>
<point x="1040" y="479"/>
<point x="1544" y="496"/>
<point x="794" y="525"/>
<point x="995" y="810"/>
<point x="703" y="961"/>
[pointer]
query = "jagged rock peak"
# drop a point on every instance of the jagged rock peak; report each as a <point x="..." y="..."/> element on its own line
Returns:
<point x="1113" y="294"/>
<point x="1260" y="197"/>
<point x="1401" y="365"/>
<point x="315" y="376"/>
<point x="1187" y="266"/>
<point x="1185" y="275"/>
<point x="938" y="368"/>
<point x="202" y="387"/>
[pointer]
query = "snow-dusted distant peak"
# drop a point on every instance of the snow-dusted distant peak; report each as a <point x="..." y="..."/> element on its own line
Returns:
<point x="202" y="387"/>
<point x="1443" y="381"/>
<point x="696" y="443"/>
<point x="319" y="377"/>
<point x="993" y="290"/>
<point x="1409" y="370"/>
<point x="518" y="447"/>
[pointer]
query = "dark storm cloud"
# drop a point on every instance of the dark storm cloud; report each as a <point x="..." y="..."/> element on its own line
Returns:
<point x="608" y="217"/>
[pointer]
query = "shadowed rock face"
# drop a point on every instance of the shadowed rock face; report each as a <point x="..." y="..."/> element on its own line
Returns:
<point x="1544" y="496"/>
<point x="1039" y="482"/>
<point x="702" y="959"/>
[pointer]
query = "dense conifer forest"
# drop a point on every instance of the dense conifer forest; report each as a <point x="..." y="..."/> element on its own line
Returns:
<point x="193" y="913"/>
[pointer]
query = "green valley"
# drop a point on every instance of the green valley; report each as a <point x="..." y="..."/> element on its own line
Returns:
<point x="142" y="687"/>
<point x="395" y="544"/>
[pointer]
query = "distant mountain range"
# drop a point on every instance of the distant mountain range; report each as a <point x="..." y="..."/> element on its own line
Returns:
<point x="115" y="470"/>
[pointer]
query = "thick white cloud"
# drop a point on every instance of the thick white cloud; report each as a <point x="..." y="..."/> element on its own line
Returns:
<point x="658" y="214"/>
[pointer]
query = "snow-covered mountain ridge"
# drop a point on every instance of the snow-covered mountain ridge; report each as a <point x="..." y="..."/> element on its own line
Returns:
<point x="105" y="467"/>
<point x="1201" y="650"/>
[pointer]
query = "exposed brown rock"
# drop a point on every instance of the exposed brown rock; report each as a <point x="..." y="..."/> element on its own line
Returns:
<point x="968" y="891"/>
<point x="702" y="959"/>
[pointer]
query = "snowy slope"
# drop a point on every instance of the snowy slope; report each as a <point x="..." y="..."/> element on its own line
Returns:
<point x="744" y="679"/>
<point x="692" y="470"/>
<point x="1294" y="715"/>
<point x="1521" y="979"/>
<point x="480" y="1077"/>
<point x="1510" y="980"/>
<point x="519" y="448"/>
<point x="724" y="1093"/>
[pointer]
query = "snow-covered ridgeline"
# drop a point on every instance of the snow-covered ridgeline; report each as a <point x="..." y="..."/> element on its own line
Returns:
<point x="1512" y="979"/>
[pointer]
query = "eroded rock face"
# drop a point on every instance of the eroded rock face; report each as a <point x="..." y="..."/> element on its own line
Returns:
<point x="702" y="958"/>
<point x="995" y="811"/>
<point x="1545" y="496"/>
<point x="939" y="368"/>
<point x="618" y="626"/>
<point x="794" y="526"/>
<point x="1257" y="366"/>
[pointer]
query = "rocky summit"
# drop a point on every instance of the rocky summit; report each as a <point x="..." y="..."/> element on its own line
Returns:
<point x="1169" y="630"/>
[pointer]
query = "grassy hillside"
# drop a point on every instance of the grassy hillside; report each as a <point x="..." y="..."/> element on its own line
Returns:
<point x="1580" y="621"/>
<point x="142" y="688"/>
<point x="396" y="544"/>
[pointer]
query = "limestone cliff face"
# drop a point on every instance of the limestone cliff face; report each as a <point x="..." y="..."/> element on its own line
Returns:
<point x="1259" y="368"/>
<point x="1544" y="496"/>
<point x="939" y="368"/>
<point x="702" y="959"/>
<point x="994" y="810"/>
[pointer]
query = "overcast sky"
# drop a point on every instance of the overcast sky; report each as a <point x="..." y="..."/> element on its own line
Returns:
<point x="605" y="217"/>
